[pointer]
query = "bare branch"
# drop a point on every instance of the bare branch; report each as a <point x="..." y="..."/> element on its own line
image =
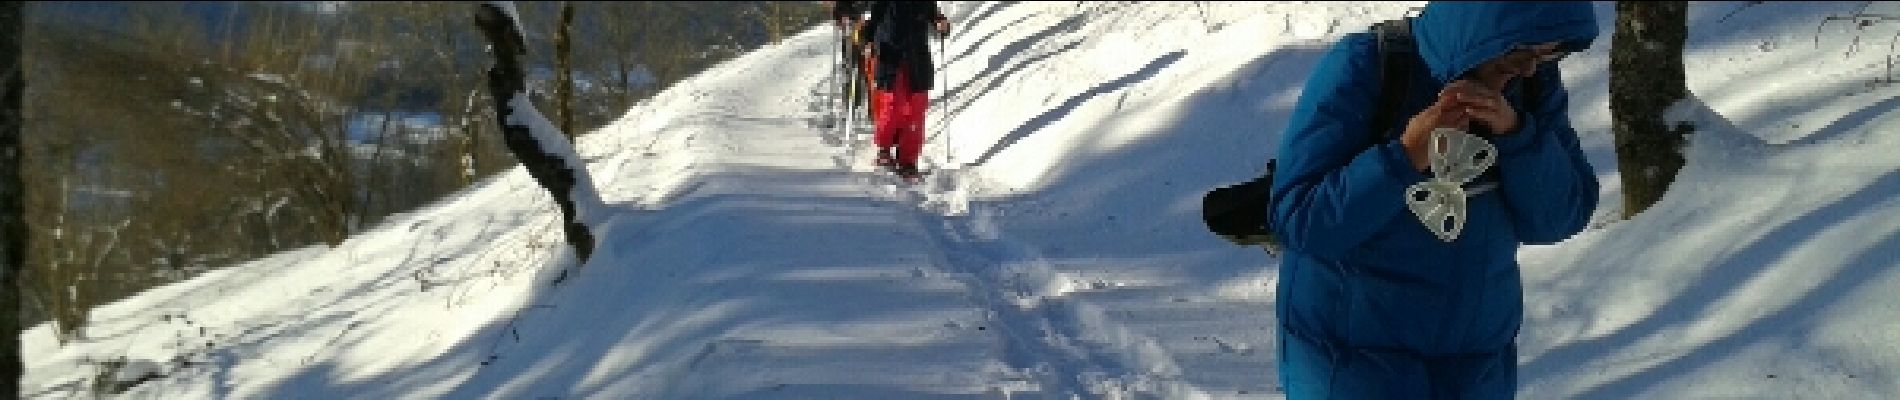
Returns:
<point x="1857" y="11"/>
<point x="1744" y="6"/>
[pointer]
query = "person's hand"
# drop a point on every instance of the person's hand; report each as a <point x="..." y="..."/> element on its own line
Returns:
<point x="1485" y="105"/>
<point x="870" y="51"/>
<point x="1445" y="112"/>
<point x="943" y="28"/>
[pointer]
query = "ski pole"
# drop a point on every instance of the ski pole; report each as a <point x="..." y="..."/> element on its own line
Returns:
<point x="943" y="87"/>
<point x="837" y="74"/>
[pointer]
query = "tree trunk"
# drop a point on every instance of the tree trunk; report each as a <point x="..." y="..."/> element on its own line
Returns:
<point x="773" y="19"/>
<point x="505" y="81"/>
<point x="12" y="197"/>
<point x="564" y="67"/>
<point x="1646" y="77"/>
<point x="471" y="138"/>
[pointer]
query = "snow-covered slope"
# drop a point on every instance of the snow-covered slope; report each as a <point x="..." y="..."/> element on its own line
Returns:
<point x="1056" y="249"/>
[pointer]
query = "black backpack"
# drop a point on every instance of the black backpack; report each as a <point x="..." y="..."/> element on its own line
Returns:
<point x="1238" y="212"/>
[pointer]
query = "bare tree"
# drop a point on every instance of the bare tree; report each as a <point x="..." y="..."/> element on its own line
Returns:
<point x="12" y="198"/>
<point x="614" y="53"/>
<point x="74" y="207"/>
<point x="1861" y="19"/>
<point x="506" y="82"/>
<point x="775" y="18"/>
<point x="564" y="67"/>
<point x="1646" y="77"/>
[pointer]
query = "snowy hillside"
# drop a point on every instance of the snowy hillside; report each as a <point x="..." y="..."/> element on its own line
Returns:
<point x="1056" y="249"/>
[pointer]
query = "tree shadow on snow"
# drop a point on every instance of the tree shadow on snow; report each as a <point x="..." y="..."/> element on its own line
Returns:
<point x="1223" y="136"/>
<point x="1133" y="209"/>
<point x="1056" y="113"/>
<point x="1790" y="324"/>
<point x="672" y="293"/>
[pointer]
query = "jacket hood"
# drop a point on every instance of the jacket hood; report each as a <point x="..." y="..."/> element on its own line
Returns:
<point x="1456" y="36"/>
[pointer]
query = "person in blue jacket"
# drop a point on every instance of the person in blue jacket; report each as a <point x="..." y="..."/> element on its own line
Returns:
<point x="1371" y="304"/>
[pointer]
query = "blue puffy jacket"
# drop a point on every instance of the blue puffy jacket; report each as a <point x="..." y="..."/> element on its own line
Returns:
<point x="1371" y="304"/>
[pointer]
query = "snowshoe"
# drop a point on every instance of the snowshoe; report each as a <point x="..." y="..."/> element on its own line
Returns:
<point x="908" y="173"/>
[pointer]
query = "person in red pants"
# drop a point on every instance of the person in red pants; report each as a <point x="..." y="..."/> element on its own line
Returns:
<point x="900" y="44"/>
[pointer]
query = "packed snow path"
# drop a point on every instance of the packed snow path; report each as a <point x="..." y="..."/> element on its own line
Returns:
<point x="1056" y="252"/>
<point x="753" y="253"/>
<point x="849" y="285"/>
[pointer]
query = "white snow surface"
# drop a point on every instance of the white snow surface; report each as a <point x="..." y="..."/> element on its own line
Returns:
<point x="1055" y="250"/>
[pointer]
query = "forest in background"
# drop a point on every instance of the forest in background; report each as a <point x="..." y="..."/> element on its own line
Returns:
<point x="164" y="139"/>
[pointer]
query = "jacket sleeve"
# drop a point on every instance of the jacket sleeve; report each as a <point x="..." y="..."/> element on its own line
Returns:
<point x="1335" y="186"/>
<point x="1548" y="187"/>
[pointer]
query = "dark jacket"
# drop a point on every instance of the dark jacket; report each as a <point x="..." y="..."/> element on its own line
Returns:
<point x="846" y="10"/>
<point x="1361" y="274"/>
<point x="901" y="31"/>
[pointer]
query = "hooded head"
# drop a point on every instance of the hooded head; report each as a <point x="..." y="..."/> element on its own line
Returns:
<point x="1456" y="36"/>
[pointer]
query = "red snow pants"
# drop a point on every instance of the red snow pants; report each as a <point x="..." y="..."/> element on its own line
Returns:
<point x="900" y="119"/>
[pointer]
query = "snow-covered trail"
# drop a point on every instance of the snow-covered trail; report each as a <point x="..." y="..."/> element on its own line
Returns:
<point x="777" y="271"/>
<point x="753" y="253"/>
<point x="776" y="274"/>
<point x="968" y="323"/>
<point x="1056" y="250"/>
<point x="826" y="280"/>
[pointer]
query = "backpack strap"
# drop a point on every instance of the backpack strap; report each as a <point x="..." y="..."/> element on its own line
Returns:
<point x="1397" y="53"/>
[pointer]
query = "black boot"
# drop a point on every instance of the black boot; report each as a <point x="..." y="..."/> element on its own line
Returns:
<point x="884" y="158"/>
<point x="909" y="172"/>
